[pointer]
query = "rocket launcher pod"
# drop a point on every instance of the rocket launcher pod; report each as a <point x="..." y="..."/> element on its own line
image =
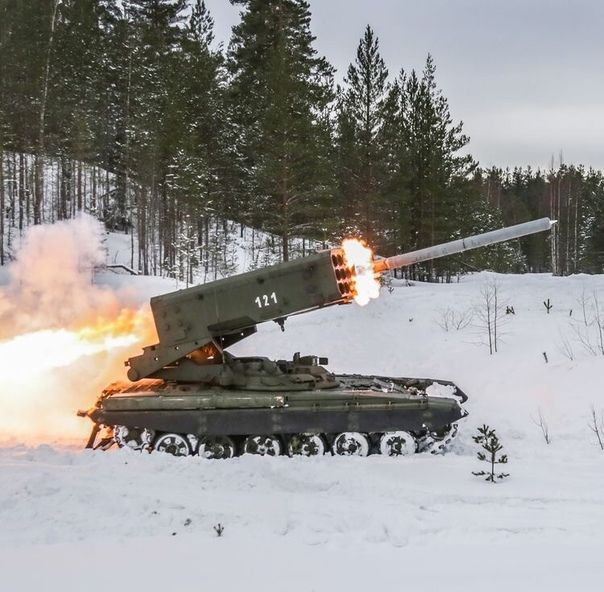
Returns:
<point x="220" y="313"/>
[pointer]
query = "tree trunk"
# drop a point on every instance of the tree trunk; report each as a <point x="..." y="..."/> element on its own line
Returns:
<point x="131" y="230"/>
<point x="285" y="213"/>
<point x="93" y="197"/>
<point x="12" y="196"/>
<point x="21" y="190"/>
<point x="576" y="239"/>
<point x="2" y="209"/>
<point x="39" y="159"/>
<point x="79" y="189"/>
<point x="285" y="245"/>
<point x="62" y="205"/>
<point x="554" y="233"/>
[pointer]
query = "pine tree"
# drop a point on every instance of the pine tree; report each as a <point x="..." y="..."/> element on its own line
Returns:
<point x="361" y="119"/>
<point x="590" y="235"/>
<point x="280" y="87"/>
<point x="4" y="126"/>
<point x="112" y="89"/>
<point x="489" y="442"/>
<point x="397" y="187"/>
<point x="202" y="159"/>
<point x="73" y="100"/>
<point x="423" y="153"/>
<point x="147" y="133"/>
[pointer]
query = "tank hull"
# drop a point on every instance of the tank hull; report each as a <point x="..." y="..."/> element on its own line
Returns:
<point x="366" y="404"/>
<point x="413" y="416"/>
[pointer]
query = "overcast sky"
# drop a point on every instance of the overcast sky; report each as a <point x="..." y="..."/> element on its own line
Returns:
<point x="525" y="76"/>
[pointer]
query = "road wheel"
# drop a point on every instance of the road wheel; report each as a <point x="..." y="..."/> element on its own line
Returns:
<point x="133" y="438"/>
<point x="351" y="444"/>
<point x="306" y="445"/>
<point x="262" y="445"/>
<point x="216" y="447"/>
<point x="173" y="444"/>
<point x="397" y="444"/>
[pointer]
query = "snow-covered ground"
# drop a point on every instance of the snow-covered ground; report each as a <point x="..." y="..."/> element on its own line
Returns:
<point x="79" y="520"/>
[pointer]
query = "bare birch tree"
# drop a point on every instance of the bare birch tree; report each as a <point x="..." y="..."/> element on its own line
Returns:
<point x="490" y="312"/>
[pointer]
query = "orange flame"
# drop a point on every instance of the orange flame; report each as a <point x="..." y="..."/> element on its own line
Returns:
<point x="360" y="257"/>
<point x="46" y="375"/>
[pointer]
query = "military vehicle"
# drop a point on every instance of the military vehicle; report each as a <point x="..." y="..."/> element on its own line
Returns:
<point x="188" y="395"/>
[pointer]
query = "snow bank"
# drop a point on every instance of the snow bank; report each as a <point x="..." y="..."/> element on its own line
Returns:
<point x="147" y="521"/>
<point x="89" y="519"/>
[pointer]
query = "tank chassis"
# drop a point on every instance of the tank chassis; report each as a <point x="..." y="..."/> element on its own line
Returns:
<point x="188" y="395"/>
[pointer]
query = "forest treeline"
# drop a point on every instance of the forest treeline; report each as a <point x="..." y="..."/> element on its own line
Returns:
<point x="132" y="111"/>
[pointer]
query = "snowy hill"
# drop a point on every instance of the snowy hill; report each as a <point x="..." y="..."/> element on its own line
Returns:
<point x="93" y="519"/>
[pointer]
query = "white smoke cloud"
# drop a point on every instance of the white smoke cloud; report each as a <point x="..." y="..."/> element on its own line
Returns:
<point x="50" y="282"/>
<point x="62" y="338"/>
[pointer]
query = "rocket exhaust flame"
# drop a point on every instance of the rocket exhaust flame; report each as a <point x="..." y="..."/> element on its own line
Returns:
<point x="61" y="348"/>
<point x="37" y="352"/>
<point x="62" y="338"/>
<point x="46" y="375"/>
<point x="359" y="257"/>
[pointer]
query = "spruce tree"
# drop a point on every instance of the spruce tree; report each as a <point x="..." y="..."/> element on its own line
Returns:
<point x="4" y="124"/>
<point x="73" y="99"/>
<point x="202" y="157"/>
<point x="423" y="153"/>
<point x="152" y="41"/>
<point x="279" y="87"/>
<point x="361" y="119"/>
<point x="489" y="442"/>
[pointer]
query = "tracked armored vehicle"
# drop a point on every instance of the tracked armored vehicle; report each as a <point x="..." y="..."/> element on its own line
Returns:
<point x="189" y="395"/>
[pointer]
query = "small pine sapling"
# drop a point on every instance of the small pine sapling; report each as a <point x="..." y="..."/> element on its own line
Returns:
<point x="219" y="529"/>
<point x="488" y="440"/>
<point x="548" y="305"/>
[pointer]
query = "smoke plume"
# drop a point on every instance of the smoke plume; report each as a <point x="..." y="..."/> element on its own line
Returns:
<point x="62" y="338"/>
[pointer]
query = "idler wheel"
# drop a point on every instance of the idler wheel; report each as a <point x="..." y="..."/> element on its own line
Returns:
<point x="218" y="447"/>
<point x="351" y="444"/>
<point x="133" y="438"/>
<point x="173" y="444"/>
<point x="306" y="445"/>
<point x="439" y="441"/>
<point x="262" y="445"/>
<point x="397" y="444"/>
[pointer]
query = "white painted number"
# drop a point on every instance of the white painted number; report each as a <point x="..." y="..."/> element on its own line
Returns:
<point x="266" y="300"/>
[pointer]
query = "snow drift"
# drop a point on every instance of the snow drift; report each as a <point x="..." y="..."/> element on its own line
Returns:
<point x="329" y="523"/>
